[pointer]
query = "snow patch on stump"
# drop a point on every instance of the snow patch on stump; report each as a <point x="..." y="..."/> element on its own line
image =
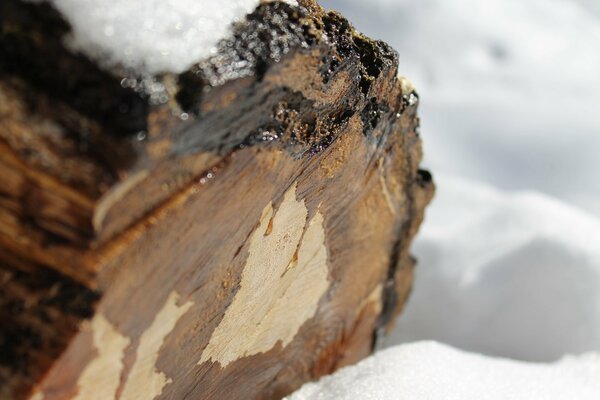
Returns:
<point x="151" y="36"/>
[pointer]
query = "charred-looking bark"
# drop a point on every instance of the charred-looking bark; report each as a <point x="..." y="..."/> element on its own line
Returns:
<point x="229" y="232"/>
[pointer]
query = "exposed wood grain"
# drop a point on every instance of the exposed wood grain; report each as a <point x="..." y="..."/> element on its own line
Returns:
<point x="286" y="270"/>
<point x="248" y="234"/>
<point x="100" y="377"/>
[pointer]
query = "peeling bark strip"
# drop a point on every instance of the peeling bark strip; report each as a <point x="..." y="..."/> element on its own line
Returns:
<point x="247" y="235"/>
<point x="286" y="270"/>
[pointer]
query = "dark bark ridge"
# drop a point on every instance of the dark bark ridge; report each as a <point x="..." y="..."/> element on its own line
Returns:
<point x="124" y="110"/>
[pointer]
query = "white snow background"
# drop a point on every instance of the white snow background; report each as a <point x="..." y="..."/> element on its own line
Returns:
<point x="509" y="255"/>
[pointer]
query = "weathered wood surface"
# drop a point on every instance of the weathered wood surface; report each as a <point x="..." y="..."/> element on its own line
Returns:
<point x="231" y="232"/>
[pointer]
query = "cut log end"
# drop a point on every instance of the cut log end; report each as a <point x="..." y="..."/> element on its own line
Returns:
<point x="240" y="229"/>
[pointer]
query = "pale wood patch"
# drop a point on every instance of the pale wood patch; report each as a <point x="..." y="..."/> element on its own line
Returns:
<point x="374" y="299"/>
<point x="37" y="396"/>
<point x="283" y="280"/>
<point x="384" y="187"/>
<point x="113" y="197"/>
<point x="100" y="378"/>
<point x="144" y="381"/>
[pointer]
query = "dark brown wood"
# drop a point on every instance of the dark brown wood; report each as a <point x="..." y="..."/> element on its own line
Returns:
<point x="232" y="233"/>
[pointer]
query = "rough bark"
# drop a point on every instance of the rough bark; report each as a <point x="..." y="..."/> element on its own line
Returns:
<point x="230" y="232"/>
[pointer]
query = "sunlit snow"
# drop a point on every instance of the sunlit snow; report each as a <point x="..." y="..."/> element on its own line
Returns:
<point x="151" y="36"/>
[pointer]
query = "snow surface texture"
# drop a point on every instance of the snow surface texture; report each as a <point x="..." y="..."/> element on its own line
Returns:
<point x="432" y="371"/>
<point x="514" y="275"/>
<point x="151" y="36"/>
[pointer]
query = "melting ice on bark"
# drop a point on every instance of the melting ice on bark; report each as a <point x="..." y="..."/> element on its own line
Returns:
<point x="151" y="36"/>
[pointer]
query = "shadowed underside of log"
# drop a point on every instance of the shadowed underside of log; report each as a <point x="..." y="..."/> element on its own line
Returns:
<point x="230" y="232"/>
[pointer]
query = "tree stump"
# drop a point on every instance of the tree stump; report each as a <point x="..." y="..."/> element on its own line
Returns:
<point x="229" y="232"/>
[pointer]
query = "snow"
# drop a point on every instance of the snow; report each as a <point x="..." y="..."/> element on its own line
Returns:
<point x="509" y="254"/>
<point x="509" y="88"/>
<point x="507" y="274"/>
<point x="510" y="249"/>
<point x="151" y="36"/>
<point x="429" y="370"/>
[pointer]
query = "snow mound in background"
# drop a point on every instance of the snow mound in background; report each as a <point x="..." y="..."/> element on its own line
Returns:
<point x="510" y="89"/>
<point x="514" y="275"/>
<point x="509" y="274"/>
<point x="427" y="370"/>
<point x="151" y="36"/>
